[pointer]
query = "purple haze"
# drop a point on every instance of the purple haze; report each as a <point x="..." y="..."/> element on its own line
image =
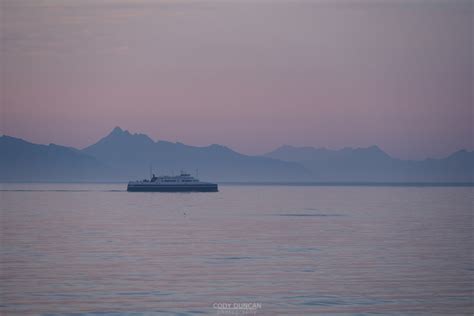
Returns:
<point x="252" y="75"/>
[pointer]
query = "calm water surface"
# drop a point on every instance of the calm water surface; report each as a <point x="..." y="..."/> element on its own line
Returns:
<point x="70" y="249"/>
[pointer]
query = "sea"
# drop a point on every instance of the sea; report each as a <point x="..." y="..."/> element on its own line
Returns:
<point x="95" y="249"/>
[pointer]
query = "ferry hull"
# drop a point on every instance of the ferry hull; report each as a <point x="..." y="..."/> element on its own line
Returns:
<point x="172" y="188"/>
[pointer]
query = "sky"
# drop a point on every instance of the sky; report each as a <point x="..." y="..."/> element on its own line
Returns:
<point x="251" y="75"/>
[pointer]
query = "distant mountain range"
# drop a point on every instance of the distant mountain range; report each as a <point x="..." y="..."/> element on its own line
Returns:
<point x="371" y="164"/>
<point x="24" y="161"/>
<point x="122" y="156"/>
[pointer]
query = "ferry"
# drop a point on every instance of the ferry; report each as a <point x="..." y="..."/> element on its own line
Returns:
<point x="182" y="183"/>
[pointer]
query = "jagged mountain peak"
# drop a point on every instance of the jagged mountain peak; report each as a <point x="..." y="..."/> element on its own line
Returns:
<point x="121" y="136"/>
<point x="119" y="131"/>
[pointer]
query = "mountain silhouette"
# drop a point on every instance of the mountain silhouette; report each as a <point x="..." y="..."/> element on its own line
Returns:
<point x="372" y="164"/>
<point x="132" y="155"/>
<point x="123" y="156"/>
<point x="24" y="161"/>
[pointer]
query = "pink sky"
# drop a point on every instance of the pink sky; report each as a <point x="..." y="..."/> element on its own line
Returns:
<point x="252" y="75"/>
